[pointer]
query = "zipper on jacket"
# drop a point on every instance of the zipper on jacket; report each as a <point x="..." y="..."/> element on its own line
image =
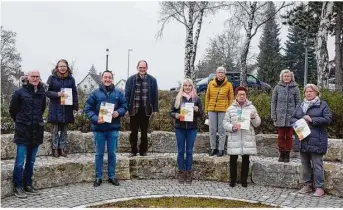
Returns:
<point x="215" y="105"/>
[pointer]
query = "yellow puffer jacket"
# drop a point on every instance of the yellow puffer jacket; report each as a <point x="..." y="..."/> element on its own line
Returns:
<point x="218" y="98"/>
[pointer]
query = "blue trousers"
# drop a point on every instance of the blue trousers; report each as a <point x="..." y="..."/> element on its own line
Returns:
<point x="185" y="142"/>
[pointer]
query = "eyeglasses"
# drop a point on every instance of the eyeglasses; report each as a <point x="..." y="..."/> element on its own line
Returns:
<point x="62" y="66"/>
<point x="34" y="76"/>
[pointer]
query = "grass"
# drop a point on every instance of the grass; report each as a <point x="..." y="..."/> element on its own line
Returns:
<point x="182" y="202"/>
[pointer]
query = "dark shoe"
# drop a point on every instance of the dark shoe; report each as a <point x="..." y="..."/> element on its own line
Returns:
<point x="97" y="182"/>
<point x="244" y="184"/>
<point x="232" y="184"/>
<point x="286" y="160"/>
<point x="62" y="153"/>
<point x="19" y="192"/>
<point x="213" y="152"/>
<point x="181" y="177"/>
<point x="55" y="153"/>
<point x="282" y="156"/>
<point x="31" y="190"/>
<point x="113" y="181"/>
<point x="189" y="177"/>
<point x="143" y="154"/>
<point x="220" y="153"/>
<point x="132" y="154"/>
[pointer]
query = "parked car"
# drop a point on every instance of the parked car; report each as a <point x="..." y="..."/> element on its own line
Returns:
<point x="234" y="78"/>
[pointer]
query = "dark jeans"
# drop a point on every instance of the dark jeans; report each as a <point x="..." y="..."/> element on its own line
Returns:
<point x="140" y="120"/>
<point x="285" y="139"/>
<point x="185" y="137"/>
<point x="59" y="140"/>
<point x="30" y="151"/>
<point x="313" y="171"/>
<point x="244" y="170"/>
<point x="101" y="138"/>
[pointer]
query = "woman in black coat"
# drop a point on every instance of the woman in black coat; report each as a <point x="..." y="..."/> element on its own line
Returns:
<point x="60" y="115"/>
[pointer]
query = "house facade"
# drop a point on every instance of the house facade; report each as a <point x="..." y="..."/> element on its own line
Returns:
<point x="89" y="83"/>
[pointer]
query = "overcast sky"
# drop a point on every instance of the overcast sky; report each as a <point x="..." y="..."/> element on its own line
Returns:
<point x="80" y="32"/>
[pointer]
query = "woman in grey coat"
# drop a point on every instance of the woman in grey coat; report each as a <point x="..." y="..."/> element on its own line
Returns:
<point x="285" y="98"/>
<point x="241" y="141"/>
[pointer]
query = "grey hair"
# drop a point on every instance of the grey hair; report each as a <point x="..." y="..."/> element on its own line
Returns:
<point x="286" y="71"/>
<point x="221" y="69"/>
<point x="313" y="87"/>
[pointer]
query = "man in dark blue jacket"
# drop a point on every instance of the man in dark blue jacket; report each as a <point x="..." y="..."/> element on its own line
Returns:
<point x="141" y="94"/>
<point x="26" y="108"/>
<point x="104" y="131"/>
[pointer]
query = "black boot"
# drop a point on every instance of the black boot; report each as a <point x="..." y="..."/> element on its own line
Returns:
<point x="233" y="170"/>
<point x="245" y="170"/>
<point x="213" y="152"/>
<point x="189" y="177"/>
<point x="282" y="156"/>
<point x="97" y="182"/>
<point x="181" y="176"/>
<point x="286" y="160"/>
<point x="220" y="153"/>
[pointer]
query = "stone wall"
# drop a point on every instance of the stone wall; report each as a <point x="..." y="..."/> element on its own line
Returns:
<point x="160" y="142"/>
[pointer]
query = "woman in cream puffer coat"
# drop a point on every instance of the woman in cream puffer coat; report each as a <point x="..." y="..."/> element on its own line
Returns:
<point x="240" y="141"/>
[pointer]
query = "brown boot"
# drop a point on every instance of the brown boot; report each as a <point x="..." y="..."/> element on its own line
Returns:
<point x="62" y="152"/>
<point x="181" y="177"/>
<point x="55" y="153"/>
<point x="189" y="177"/>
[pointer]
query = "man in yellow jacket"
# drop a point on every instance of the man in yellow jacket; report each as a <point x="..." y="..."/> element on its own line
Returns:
<point x="219" y="96"/>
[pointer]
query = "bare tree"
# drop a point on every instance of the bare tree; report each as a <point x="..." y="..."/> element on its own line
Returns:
<point x="321" y="45"/>
<point x="338" y="46"/>
<point x="10" y="62"/>
<point x="251" y="14"/>
<point x="190" y="14"/>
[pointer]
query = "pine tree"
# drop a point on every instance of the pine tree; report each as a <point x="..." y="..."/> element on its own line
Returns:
<point x="294" y="58"/>
<point x="269" y="60"/>
<point x="92" y="70"/>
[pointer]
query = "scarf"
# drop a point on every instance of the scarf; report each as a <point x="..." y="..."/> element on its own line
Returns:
<point x="188" y="95"/>
<point x="307" y="104"/>
<point x="62" y="76"/>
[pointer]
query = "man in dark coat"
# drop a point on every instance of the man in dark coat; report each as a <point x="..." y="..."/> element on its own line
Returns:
<point x="26" y="108"/>
<point x="141" y="94"/>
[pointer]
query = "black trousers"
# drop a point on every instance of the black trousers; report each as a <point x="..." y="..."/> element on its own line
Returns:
<point x="244" y="171"/>
<point x="140" y="120"/>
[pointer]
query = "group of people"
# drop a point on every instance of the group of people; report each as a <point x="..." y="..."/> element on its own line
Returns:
<point x="224" y="107"/>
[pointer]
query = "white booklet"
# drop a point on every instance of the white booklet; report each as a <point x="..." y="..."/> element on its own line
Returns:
<point x="301" y="129"/>
<point x="244" y="119"/>
<point x="106" y="111"/>
<point x="67" y="99"/>
<point x="187" y="112"/>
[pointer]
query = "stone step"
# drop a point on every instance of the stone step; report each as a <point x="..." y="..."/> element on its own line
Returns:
<point x="266" y="171"/>
<point x="160" y="142"/>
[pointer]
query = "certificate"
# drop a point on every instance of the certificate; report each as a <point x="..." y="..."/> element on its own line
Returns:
<point x="301" y="129"/>
<point x="187" y="112"/>
<point x="106" y="111"/>
<point x="67" y="99"/>
<point x="244" y="119"/>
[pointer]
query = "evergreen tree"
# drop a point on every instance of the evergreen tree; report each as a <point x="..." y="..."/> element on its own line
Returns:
<point x="92" y="70"/>
<point x="294" y="58"/>
<point x="269" y="60"/>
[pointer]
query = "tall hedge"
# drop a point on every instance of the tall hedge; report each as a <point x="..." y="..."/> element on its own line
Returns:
<point x="163" y="122"/>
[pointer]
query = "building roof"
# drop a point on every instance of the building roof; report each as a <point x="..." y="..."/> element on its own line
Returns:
<point x="95" y="77"/>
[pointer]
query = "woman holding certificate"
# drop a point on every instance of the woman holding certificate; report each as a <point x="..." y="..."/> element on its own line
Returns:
<point x="185" y="109"/>
<point x="285" y="98"/>
<point x="240" y="120"/>
<point x="317" y="115"/>
<point x="62" y="93"/>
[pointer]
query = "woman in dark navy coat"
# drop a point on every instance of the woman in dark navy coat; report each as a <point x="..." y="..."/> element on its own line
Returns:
<point x="60" y="115"/>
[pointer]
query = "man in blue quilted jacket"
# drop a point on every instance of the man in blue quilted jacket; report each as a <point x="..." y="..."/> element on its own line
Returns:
<point x="105" y="132"/>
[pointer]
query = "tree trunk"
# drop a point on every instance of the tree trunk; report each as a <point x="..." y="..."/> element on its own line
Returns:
<point x="338" y="50"/>
<point x="195" y="42"/>
<point x="321" y="46"/>
<point x="189" y="40"/>
<point x="245" y="51"/>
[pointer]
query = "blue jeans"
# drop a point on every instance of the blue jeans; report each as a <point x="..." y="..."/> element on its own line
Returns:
<point x="111" y="137"/>
<point x="184" y="136"/>
<point x="59" y="141"/>
<point x="313" y="172"/>
<point x="30" y="151"/>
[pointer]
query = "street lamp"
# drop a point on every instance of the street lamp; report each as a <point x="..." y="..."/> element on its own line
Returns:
<point x="306" y="62"/>
<point x="107" y="59"/>
<point x="128" y="62"/>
